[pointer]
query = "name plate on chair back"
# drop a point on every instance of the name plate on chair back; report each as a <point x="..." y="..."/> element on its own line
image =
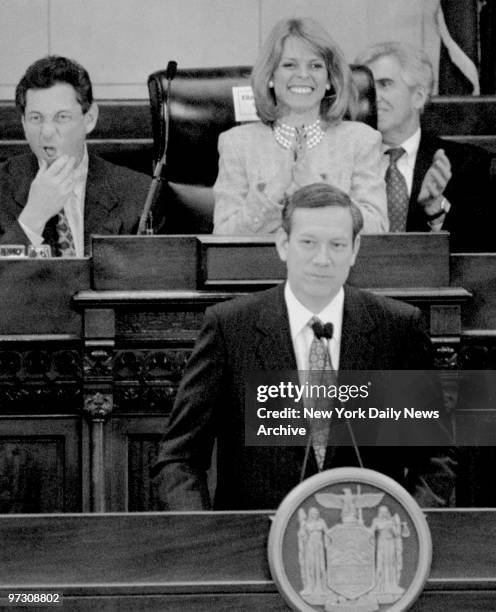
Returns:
<point x="144" y="262"/>
<point x="385" y="260"/>
<point x="36" y="296"/>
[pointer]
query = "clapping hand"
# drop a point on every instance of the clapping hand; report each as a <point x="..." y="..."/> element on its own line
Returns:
<point x="434" y="183"/>
<point x="304" y="172"/>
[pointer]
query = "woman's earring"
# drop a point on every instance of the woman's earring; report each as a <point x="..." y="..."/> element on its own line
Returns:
<point x="271" y="84"/>
<point x="329" y="92"/>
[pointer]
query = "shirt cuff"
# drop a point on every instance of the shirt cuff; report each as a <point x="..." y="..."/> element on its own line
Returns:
<point x="35" y="239"/>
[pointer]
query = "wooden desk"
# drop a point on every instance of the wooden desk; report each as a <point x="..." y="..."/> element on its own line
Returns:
<point x="212" y="560"/>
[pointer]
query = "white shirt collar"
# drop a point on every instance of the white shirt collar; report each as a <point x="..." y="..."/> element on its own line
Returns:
<point x="81" y="170"/>
<point x="301" y="333"/>
<point x="299" y="315"/>
<point x="410" y="145"/>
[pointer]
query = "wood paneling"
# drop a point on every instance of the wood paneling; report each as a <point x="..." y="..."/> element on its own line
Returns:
<point x="161" y="262"/>
<point x="384" y="260"/>
<point x="477" y="273"/>
<point x="34" y="286"/>
<point x="134" y="447"/>
<point x="40" y="465"/>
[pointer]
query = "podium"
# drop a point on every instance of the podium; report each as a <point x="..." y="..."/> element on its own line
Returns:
<point x="209" y="561"/>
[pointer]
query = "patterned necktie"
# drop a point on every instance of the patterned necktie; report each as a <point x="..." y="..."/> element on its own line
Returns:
<point x="397" y="192"/>
<point x="65" y="240"/>
<point x="321" y="373"/>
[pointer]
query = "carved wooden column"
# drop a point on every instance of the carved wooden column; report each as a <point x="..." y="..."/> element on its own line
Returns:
<point x="99" y="332"/>
<point x="97" y="408"/>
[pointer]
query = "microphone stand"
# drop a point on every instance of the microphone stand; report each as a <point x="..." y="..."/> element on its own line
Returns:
<point x="144" y="227"/>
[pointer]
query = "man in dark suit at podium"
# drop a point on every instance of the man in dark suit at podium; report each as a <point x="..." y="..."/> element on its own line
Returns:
<point x="59" y="194"/>
<point x="270" y="330"/>
<point x="432" y="184"/>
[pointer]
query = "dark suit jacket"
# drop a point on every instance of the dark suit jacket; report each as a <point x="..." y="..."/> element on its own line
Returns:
<point x="114" y="199"/>
<point x="470" y="192"/>
<point x="252" y="334"/>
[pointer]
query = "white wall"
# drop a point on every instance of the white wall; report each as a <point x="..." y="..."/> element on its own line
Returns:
<point x="120" y="42"/>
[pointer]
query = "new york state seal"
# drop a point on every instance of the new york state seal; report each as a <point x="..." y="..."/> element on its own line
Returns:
<point x="349" y="540"/>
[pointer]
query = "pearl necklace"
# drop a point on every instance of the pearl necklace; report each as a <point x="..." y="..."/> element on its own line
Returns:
<point x="306" y="135"/>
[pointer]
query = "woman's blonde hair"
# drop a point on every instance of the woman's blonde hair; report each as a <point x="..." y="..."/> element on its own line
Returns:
<point x="335" y="102"/>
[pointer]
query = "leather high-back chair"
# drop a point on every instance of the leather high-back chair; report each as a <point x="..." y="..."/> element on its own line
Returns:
<point x="201" y="107"/>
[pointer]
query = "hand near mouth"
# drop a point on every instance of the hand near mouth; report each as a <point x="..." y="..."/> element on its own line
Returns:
<point x="48" y="193"/>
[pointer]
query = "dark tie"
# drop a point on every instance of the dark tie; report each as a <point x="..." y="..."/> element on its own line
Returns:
<point x="65" y="240"/>
<point x="397" y="192"/>
<point x="321" y="373"/>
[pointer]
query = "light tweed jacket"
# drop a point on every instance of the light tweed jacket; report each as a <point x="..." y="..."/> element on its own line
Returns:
<point x="348" y="157"/>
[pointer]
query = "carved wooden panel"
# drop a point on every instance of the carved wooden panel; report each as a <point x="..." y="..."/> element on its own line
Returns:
<point x="159" y="325"/>
<point x="130" y="454"/>
<point x="476" y="389"/>
<point x="147" y="381"/>
<point x="40" y="379"/>
<point x="39" y="465"/>
<point x="31" y="475"/>
<point x="142" y="452"/>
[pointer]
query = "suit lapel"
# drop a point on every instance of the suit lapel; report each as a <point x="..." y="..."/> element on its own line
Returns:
<point x="360" y="342"/>
<point x="274" y="347"/>
<point x="99" y="202"/>
<point x="423" y="161"/>
<point x="274" y="351"/>
<point x="356" y="353"/>
<point x="23" y="175"/>
<point x="357" y="347"/>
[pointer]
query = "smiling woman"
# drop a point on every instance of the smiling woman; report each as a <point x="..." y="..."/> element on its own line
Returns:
<point x="302" y="90"/>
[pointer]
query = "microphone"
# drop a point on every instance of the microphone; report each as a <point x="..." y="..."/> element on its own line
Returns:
<point x="170" y="73"/>
<point x="322" y="330"/>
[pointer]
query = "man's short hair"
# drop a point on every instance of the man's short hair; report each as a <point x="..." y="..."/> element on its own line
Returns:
<point x="335" y="103"/>
<point x="416" y="67"/>
<point x="319" y="195"/>
<point x="49" y="71"/>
